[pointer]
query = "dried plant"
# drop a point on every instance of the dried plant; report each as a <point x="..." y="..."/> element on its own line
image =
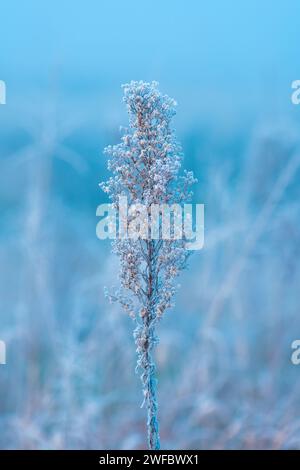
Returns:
<point x="145" y="167"/>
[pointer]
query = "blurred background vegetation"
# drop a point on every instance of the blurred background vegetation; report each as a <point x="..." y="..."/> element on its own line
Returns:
<point x="225" y="375"/>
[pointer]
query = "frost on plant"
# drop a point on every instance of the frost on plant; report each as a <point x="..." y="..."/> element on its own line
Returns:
<point x="145" y="168"/>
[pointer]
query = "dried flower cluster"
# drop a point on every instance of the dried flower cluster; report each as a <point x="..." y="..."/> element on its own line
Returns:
<point x="145" y="167"/>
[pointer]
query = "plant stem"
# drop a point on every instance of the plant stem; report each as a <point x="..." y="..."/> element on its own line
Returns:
<point x="148" y="376"/>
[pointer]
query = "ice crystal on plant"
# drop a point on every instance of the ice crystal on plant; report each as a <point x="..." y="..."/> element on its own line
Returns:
<point x="145" y="167"/>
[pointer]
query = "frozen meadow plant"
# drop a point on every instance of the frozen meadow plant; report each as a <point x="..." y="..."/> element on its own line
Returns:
<point x="145" y="167"/>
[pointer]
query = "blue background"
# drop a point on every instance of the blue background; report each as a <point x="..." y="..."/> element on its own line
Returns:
<point x="225" y="375"/>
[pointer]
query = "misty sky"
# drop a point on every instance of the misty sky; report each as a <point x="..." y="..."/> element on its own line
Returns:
<point x="209" y="54"/>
